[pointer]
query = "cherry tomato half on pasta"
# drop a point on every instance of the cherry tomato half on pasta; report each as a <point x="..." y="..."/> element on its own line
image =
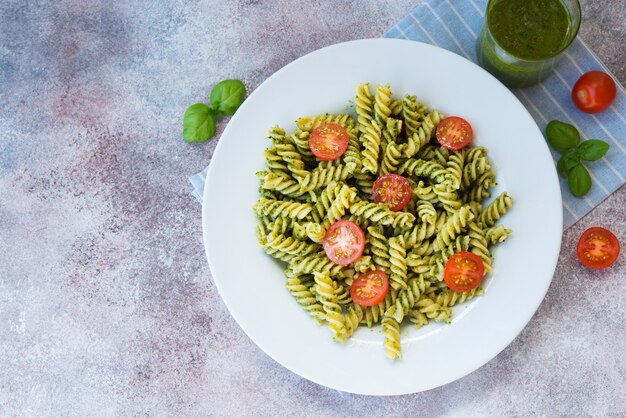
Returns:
<point x="597" y="248"/>
<point x="454" y="133"/>
<point x="464" y="271"/>
<point x="344" y="242"/>
<point x="329" y="141"/>
<point x="370" y="288"/>
<point x="392" y="189"/>
<point x="594" y="92"/>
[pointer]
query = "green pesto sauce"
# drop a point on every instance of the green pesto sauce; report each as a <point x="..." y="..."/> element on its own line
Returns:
<point x="530" y="29"/>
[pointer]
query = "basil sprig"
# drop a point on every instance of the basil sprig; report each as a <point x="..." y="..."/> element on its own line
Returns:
<point x="565" y="138"/>
<point x="199" y="120"/>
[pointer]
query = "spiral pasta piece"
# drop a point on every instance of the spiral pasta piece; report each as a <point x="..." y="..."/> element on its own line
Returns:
<point x="343" y="294"/>
<point x="396" y="107"/>
<point x="479" y="190"/>
<point x="418" y="318"/>
<point x="382" y="103"/>
<point x="380" y="213"/>
<point x="440" y="155"/>
<point x="284" y="208"/>
<point x="363" y="222"/>
<point x="290" y="245"/>
<point x="309" y="230"/>
<point x="380" y="247"/>
<point x="373" y="314"/>
<point x="317" y="262"/>
<point x="275" y="226"/>
<point x="321" y="177"/>
<point x="397" y="259"/>
<point x="352" y="319"/>
<point x="391" y="158"/>
<point x="423" y="168"/>
<point x="307" y="124"/>
<point x="315" y="232"/>
<point x="392" y="129"/>
<point x="290" y="155"/>
<point x="405" y="301"/>
<point x="478" y="244"/>
<point x="449" y="200"/>
<point x="353" y="153"/>
<point x="418" y="263"/>
<point x="364" y="104"/>
<point x="433" y="310"/>
<point x="426" y="212"/>
<point x="413" y="114"/>
<point x="454" y="171"/>
<point x="268" y="226"/>
<point x="283" y="184"/>
<point x="277" y="254"/>
<point x="420" y="232"/>
<point x="450" y="298"/>
<point x="325" y="199"/>
<point x="325" y="293"/>
<point x="364" y="183"/>
<point x="275" y="164"/>
<point x="306" y="299"/>
<point x="476" y="163"/>
<point x="391" y="332"/>
<point x="476" y="208"/>
<point x="423" y="192"/>
<point x="338" y="208"/>
<point x="460" y="243"/>
<point x="415" y="142"/>
<point x="453" y="227"/>
<point x="371" y="147"/>
<point x="364" y="264"/>
<point x="494" y="211"/>
<point x="497" y="234"/>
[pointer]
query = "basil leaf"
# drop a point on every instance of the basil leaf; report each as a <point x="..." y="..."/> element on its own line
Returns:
<point x="198" y="123"/>
<point x="562" y="136"/>
<point x="592" y="149"/>
<point x="579" y="180"/>
<point x="228" y="95"/>
<point x="568" y="161"/>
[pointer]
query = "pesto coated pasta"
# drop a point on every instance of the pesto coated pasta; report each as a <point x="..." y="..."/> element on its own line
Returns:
<point x="302" y="197"/>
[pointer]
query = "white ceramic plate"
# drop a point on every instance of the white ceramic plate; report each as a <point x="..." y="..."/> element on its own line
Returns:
<point x="252" y="284"/>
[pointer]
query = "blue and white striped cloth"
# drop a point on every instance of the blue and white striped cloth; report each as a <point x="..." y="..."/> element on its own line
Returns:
<point x="455" y="24"/>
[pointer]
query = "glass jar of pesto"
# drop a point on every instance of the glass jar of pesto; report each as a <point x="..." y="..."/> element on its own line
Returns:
<point x="522" y="39"/>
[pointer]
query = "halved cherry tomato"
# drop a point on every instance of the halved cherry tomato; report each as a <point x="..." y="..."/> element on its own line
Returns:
<point x="594" y="92"/>
<point x="454" y="133"/>
<point x="392" y="189"/>
<point x="370" y="288"/>
<point x="329" y="141"/>
<point x="464" y="271"/>
<point x="344" y="242"/>
<point x="597" y="248"/>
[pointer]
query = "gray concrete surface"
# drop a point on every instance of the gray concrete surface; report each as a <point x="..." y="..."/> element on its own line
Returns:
<point x="107" y="307"/>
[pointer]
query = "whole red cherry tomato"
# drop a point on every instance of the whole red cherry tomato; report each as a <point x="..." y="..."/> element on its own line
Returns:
<point x="594" y="92"/>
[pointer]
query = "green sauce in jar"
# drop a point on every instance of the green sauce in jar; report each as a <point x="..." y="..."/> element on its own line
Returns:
<point x="522" y="38"/>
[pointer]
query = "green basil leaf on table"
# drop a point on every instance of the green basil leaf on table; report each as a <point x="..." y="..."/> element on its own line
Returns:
<point x="198" y="123"/>
<point x="592" y="149"/>
<point x="228" y="95"/>
<point x="579" y="180"/>
<point x="562" y="136"/>
<point x="567" y="161"/>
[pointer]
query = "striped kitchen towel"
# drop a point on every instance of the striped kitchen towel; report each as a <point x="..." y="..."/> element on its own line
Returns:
<point x="455" y="24"/>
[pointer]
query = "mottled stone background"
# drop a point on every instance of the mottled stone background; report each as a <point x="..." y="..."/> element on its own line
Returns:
<point x="107" y="306"/>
